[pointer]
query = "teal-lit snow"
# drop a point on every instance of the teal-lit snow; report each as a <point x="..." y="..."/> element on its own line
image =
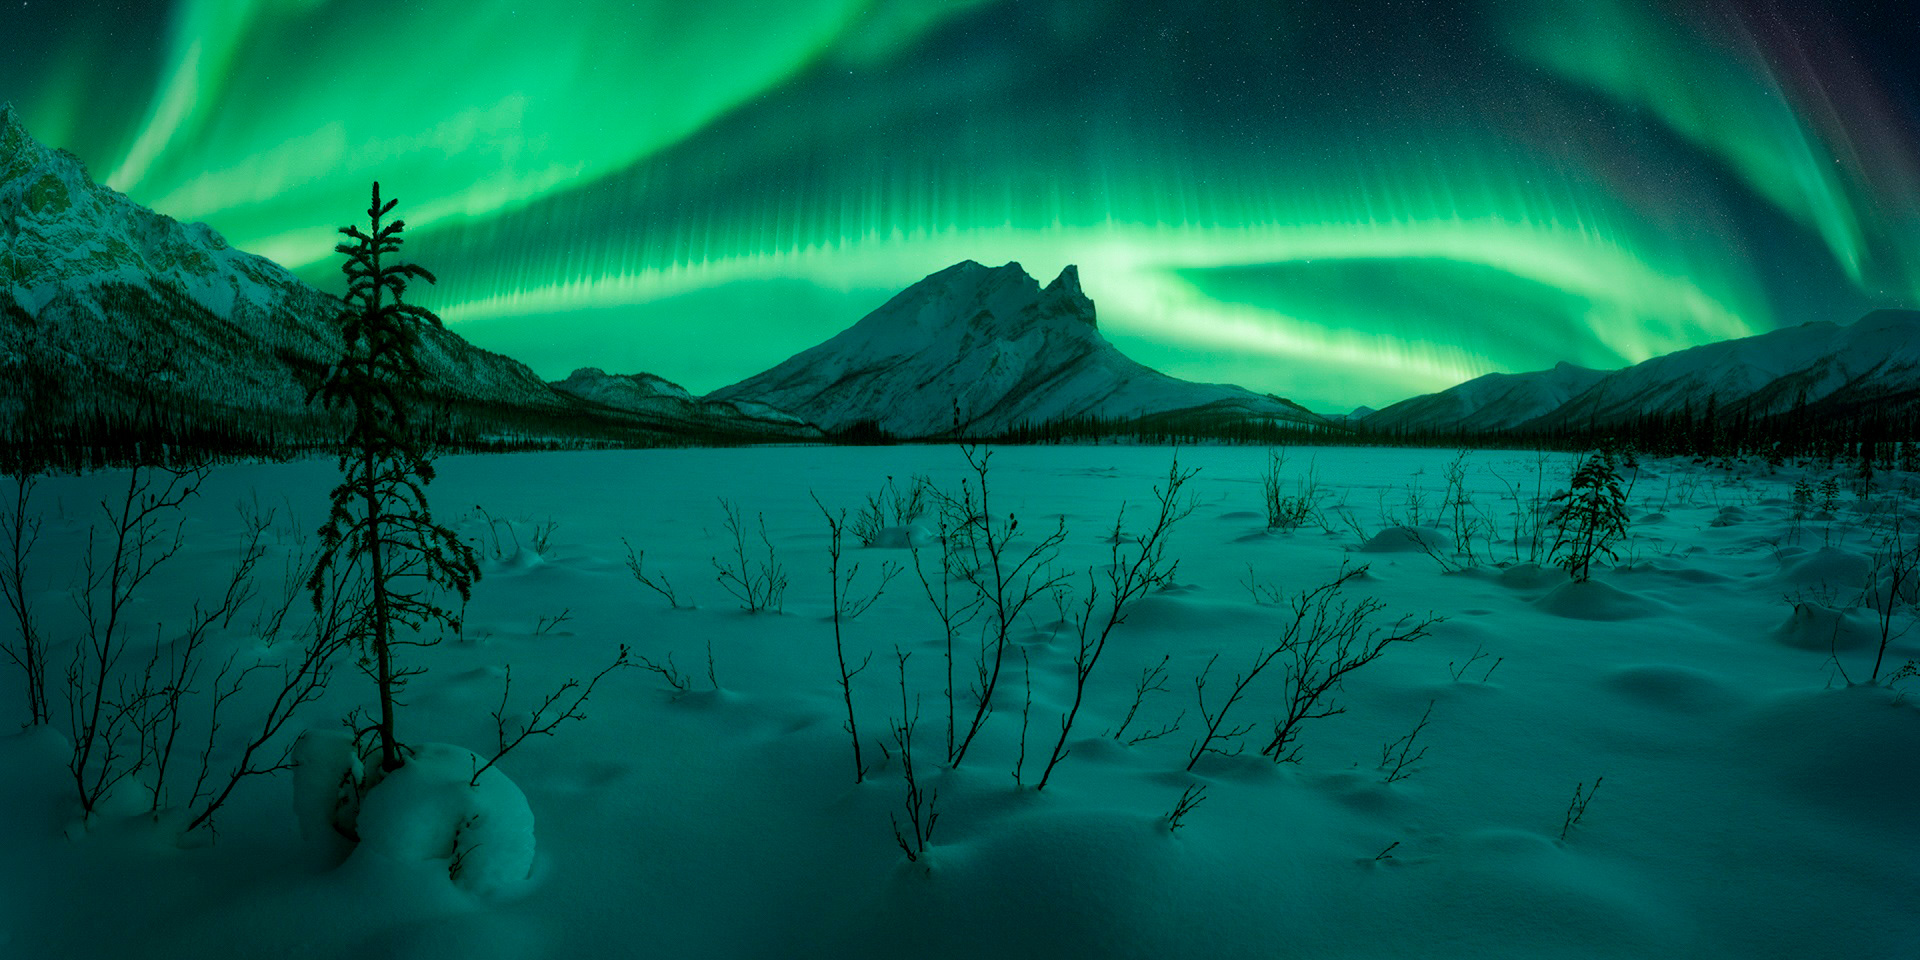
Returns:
<point x="1752" y="806"/>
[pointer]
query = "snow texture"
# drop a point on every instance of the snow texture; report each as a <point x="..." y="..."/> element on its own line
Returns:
<point x="1754" y="804"/>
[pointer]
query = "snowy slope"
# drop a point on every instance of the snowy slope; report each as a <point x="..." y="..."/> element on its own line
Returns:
<point x="1755" y="806"/>
<point x="1007" y="352"/>
<point x="1825" y="365"/>
<point x="1493" y="402"/>
<point x="1877" y="356"/>
<point x="661" y="400"/>
<point x="116" y="297"/>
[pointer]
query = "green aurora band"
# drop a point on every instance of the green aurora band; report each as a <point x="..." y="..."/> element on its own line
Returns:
<point x="1277" y="197"/>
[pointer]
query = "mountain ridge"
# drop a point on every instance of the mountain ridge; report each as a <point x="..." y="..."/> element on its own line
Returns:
<point x="1835" y="367"/>
<point x="980" y="351"/>
<point x="123" y="311"/>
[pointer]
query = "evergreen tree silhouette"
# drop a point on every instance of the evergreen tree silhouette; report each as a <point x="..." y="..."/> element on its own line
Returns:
<point x="380" y="530"/>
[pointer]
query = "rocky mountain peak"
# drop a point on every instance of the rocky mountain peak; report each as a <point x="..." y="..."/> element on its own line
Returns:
<point x="1064" y="297"/>
<point x="991" y="342"/>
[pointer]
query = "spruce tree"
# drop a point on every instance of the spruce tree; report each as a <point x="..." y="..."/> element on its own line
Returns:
<point x="380" y="531"/>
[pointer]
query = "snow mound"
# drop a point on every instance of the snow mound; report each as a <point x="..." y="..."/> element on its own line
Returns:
<point x="1530" y="576"/>
<point x="1728" y="516"/>
<point x="325" y="769"/>
<point x="902" y="537"/>
<point x="1828" y="569"/>
<point x="1088" y="883"/>
<point x="1593" y="600"/>
<point x="1814" y="626"/>
<point x="1408" y="540"/>
<point x="1849" y="749"/>
<point x="1554" y="899"/>
<point x="1671" y="687"/>
<point x="433" y="809"/>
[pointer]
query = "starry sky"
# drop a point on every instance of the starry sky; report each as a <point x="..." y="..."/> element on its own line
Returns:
<point x="1340" y="202"/>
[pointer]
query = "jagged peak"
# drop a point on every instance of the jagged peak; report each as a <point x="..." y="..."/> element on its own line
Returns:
<point x="1065" y="293"/>
<point x="1068" y="282"/>
<point x="14" y="138"/>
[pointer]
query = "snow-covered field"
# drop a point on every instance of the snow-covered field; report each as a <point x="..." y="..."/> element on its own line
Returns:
<point x="1753" y="803"/>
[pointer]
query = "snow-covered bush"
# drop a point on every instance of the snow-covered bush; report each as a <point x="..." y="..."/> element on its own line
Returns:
<point x="444" y="804"/>
<point x="892" y="513"/>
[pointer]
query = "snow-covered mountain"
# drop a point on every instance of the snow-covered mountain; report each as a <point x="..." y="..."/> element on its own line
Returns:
<point x="1874" y="359"/>
<point x="990" y="346"/>
<point x="659" y="400"/>
<point x="124" y="302"/>
<point x="117" y="307"/>
<point x="1496" y="401"/>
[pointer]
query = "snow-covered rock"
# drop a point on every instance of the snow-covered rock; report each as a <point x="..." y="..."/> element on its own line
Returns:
<point x="990" y="347"/>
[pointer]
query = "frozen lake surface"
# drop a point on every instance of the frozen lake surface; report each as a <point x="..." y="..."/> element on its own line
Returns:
<point x="1753" y="805"/>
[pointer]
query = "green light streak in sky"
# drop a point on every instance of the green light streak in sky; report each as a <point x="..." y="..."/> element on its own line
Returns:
<point x="231" y="138"/>
<point x="1716" y="88"/>
<point x="698" y="190"/>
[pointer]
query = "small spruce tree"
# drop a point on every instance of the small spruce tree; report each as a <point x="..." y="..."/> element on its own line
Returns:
<point x="380" y="531"/>
<point x="1592" y="519"/>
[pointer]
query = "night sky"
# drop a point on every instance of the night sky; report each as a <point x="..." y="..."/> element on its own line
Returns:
<point x="1343" y="203"/>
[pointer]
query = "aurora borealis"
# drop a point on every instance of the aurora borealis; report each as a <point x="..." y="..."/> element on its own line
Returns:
<point x="1340" y="203"/>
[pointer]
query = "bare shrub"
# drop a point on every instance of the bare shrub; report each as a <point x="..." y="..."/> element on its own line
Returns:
<point x="920" y="805"/>
<point x="1006" y="575"/>
<point x="143" y="530"/>
<point x="1327" y="638"/>
<point x="1190" y="799"/>
<point x="955" y="613"/>
<point x="657" y="582"/>
<point x="1892" y="579"/>
<point x="891" y="506"/>
<point x="1577" y="807"/>
<point x="1130" y="573"/>
<point x="1479" y="654"/>
<point x="564" y="703"/>
<point x="1398" y="758"/>
<point x="19" y="532"/>
<point x="1288" y="509"/>
<point x="849" y="603"/>
<point x="165" y="720"/>
<point x="1153" y="679"/>
<point x="759" y="584"/>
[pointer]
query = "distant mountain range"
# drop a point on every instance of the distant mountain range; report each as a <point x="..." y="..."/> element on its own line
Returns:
<point x="1870" y="365"/>
<point x="662" y="401"/>
<point x="122" y="310"/>
<point x="980" y="351"/>
<point x="117" y="308"/>
<point x="1497" y="401"/>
